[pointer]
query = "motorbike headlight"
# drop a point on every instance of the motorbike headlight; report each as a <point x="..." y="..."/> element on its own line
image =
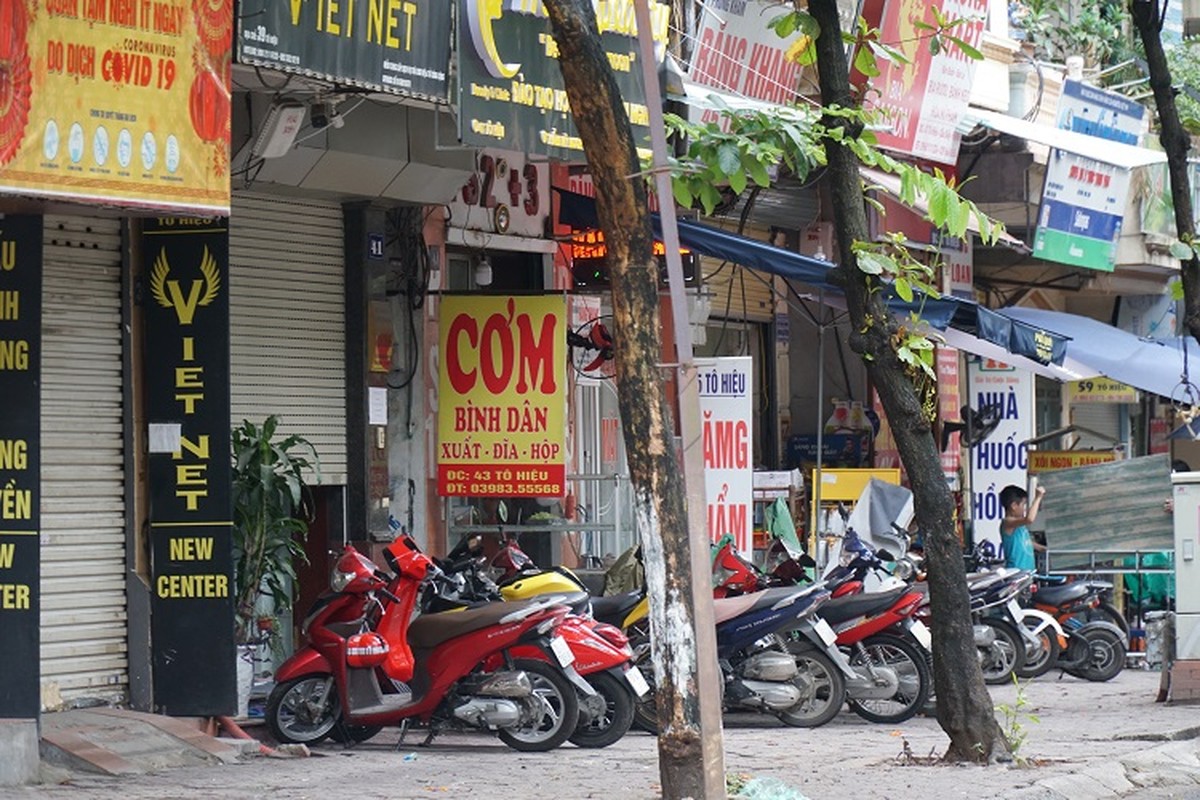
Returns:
<point x="339" y="580"/>
<point x="904" y="569"/>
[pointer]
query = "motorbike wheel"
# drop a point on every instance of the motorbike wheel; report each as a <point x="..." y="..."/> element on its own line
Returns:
<point x="1040" y="658"/>
<point x="293" y="714"/>
<point x="558" y="710"/>
<point x="1106" y="655"/>
<point x="823" y="687"/>
<point x="886" y="650"/>
<point x="1106" y="612"/>
<point x="1006" y="653"/>
<point x="614" y="721"/>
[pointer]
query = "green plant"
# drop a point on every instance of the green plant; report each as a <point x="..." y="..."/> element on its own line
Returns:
<point x="271" y="510"/>
<point x="1015" y="717"/>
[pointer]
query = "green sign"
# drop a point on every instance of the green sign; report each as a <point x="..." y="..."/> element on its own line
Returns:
<point x="395" y="46"/>
<point x="511" y="91"/>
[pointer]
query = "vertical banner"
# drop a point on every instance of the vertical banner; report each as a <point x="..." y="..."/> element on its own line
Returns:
<point x="186" y="268"/>
<point x="502" y="396"/>
<point x="1000" y="459"/>
<point x="20" y="464"/>
<point x="727" y="413"/>
<point x="949" y="403"/>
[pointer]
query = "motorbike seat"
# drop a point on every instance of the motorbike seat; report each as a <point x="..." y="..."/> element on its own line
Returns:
<point x="841" y="609"/>
<point x="726" y="608"/>
<point x="430" y="630"/>
<point x="615" y="608"/>
<point x="1061" y="595"/>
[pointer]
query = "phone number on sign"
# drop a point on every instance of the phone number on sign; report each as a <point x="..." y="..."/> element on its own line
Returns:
<point x="515" y="489"/>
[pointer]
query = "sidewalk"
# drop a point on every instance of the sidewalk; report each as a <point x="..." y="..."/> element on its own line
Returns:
<point x="1090" y="741"/>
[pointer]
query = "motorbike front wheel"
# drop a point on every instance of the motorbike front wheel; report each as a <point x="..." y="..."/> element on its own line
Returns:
<point x="614" y="721"/>
<point x="299" y="711"/>
<point x="822" y="685"/>
<point x="1004" y="655"/>
<point x="886" y="650"/>
<point x="1039" y="658"/>
<point x="557" y="711"/>
<point x="1106" y="655"/>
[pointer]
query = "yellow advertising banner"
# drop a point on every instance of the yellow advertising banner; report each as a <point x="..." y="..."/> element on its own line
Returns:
<point x="1050" y="460"/>
<point x="502" y="396"/>
<point x="121" y="102"/>
<point x="1101" y="390"/>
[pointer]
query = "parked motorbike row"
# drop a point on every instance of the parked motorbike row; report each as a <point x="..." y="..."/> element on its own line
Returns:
<point x="503" y="646"/>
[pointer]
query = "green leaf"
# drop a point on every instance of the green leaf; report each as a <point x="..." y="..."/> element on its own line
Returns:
<point x="1180" y="250"/>
<point x="737" y="180"/>
<point x="682" y="196"/>
<point x="758" y="172"/>
<point x="785" y="25"/>
<point x="864" y="62"/>
<point x="935" y="45"/>
<point x="729" y="159"/>
<point x="1176" y="287"/>
<point x="874" y="263"/>
<point x="967" y="49"/>
<point x="904" y="289"/>
<point x="939" y="204"/>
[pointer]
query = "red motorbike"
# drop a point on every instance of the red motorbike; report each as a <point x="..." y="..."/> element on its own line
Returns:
<point x="368" y="663"/>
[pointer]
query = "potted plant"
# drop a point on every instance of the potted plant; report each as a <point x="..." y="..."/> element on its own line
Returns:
<point x="272" y="506"/>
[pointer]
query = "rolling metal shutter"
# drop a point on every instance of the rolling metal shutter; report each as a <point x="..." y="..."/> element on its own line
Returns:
<point x="287" y="321"/>
<point x="84" y="639"/>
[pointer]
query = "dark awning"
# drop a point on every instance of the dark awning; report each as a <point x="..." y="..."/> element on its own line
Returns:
<point x="974" y="321"/>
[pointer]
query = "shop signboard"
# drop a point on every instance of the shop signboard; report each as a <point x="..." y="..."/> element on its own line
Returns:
<point x="727" y="414"/>
<point x="186" y="267"/>
<point x="507" y="194"/>
<point x="20" y="464"/>
<point x="398" y="46"/>
<point x="949" y="408"/>
<point x="925" y="97"/>
<point x="1100" y="390"/>
<point x="121" y="103"/>
<point x="1002" y="458"/>
<point x="1050" y="460"/>
<point x="737" y="53"/>
<point x="502" y="396"/>
<point x="1083" y="201"/>
<point x="510" y="85"/>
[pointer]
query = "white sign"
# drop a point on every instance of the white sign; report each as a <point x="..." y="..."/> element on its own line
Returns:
<point x="507" y="194"/>
<point x="1001" y="459"/>
<point x="726" y="410"/>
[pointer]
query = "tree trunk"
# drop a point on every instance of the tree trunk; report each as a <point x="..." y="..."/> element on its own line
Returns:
<point x="658" y="487"/>
<point x="964" y="707"/>
<point x="1175" y="142"/>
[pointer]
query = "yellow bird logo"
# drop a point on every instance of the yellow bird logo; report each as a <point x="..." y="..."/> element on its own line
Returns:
<point x="481" y="15"/>
<point x="169" y="294"/>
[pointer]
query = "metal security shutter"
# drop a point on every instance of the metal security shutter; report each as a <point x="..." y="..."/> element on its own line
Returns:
<point x="287" y="321"/>
<point x="738" y="292"/>
<point x="1103" y="418"/>
<point x="84" y="637"/>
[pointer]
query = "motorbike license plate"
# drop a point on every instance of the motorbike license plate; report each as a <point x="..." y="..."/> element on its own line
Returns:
<point x="562" y="651"/>
<point x="921" y="633"/>
<point x="1014" y="608"/>
<point x="825" y="632"/>
<point x="637" y="681"/>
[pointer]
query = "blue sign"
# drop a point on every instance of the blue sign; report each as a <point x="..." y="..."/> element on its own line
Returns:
<point x="374" y="245"/>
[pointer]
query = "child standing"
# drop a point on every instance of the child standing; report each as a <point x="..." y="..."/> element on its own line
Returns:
<point x="1015" y="539"/>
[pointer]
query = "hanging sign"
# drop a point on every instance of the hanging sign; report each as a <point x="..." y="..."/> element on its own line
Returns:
<point x="186" y="268"/>
<point x="20" y="464"/>
<point x="502" y="398"/>
<point x="727" y="417"/>
<point x="1002" y="458"/>
<point x="1101" y="390"/>
<point x="1050" y="460"/>
<point x="123" y="103"/>
<point x="394" y="46"/>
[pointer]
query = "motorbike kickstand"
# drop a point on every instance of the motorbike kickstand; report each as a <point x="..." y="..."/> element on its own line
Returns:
<point x="433" y="732"/>
<point x="403" y="733"/>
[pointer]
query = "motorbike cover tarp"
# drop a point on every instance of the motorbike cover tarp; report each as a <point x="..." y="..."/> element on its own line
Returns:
<point x="777" y="519"/>
<point x="880" y="504"/>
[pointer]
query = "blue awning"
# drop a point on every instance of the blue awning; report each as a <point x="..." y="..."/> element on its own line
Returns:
<point x="1020" y="338"/>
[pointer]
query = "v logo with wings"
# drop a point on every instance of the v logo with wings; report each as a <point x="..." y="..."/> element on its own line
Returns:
<point x="169" y="294"/>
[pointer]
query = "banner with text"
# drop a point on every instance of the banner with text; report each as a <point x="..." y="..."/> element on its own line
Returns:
<point x="118" y="102"/>
<point x="925" y="96"/>
<point x="20" y="464"/>
<point x="727" y="414"/>
<point x="502" y="396"/>
<point x="1083" y="201"/>
<point x="394" y="46"/>
<point x="1003" y="457"/>
<point x="186" y="267"/>
<point x="511" y="91"/>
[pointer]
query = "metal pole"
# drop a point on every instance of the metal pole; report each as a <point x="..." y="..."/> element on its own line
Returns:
<point x="708" y="676"/>
<point x="816" y="498"/>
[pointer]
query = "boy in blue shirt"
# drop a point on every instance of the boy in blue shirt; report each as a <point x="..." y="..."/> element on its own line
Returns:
<point x="1015" y="539"/>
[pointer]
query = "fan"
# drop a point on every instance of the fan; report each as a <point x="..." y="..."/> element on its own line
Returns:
<point x="975" y="427"/>
<point x="592" y="349"/>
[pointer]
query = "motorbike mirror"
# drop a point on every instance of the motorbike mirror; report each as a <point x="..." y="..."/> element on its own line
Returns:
<point x="884" y="555"/>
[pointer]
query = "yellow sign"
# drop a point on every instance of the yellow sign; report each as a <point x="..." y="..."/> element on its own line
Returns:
<point x="1050" y="460"/>
<point x="1101" y="390"/>
<point x="502" y="396"/>
<point x="121" y="102"/>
